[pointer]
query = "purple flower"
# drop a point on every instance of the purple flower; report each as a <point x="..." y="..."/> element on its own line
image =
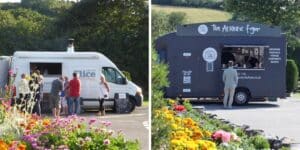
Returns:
<point x="106" y="142"/>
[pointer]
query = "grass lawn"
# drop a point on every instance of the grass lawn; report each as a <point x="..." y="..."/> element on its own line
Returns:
<point x="196" y="15"/>
<point x="296" y="95"/>
<point x="146" y="103"/>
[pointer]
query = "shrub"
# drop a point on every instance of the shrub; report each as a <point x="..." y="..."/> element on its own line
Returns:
<point x="160" y="130"/>
<point x="292" y="75"/>
<point x="260" y="142"/>
<point x="175" y="19"/>
<point x="127" y="75"/>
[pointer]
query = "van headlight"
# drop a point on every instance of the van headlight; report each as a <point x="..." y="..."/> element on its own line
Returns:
<point x="139" y="91"/>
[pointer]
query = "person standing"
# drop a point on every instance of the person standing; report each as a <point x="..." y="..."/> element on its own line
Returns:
<point x="56" y="88"/>
<point x="69" y="103"/>
<point x="39" y="81"/>
<point x="103" y="94"/>
<point x="230" y="79"/>
<point x="23" y="87"/>
<point x="74" y="94"/>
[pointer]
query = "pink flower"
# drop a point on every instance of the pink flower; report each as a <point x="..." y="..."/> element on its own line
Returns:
<point x="224" y="136"/>
<point x="106" y="123"/>
<point x="106" y="142"/>
<point x="92" y="121"/>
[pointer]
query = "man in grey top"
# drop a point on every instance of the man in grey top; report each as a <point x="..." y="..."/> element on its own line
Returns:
<point x="56" y="88"/>
<point x="230" y="79"/>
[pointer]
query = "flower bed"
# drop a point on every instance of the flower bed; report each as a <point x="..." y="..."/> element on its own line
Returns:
<point x="20" y="130"/>
<point x="191" y="130"/>
<point x="72" y="132"/>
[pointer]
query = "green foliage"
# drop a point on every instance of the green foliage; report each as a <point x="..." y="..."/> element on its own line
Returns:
<point x="175" y="19"/>
<point x="292" y="75"/>
<point x="127" y="75"/>
<point x="260" y="142"/>
<point x="47" y="7"/>
<point x="2" y="114"/>
<point x="160" y="130"/>
<point x="115" y="28"/>
<point x="159" y="24"/>
<point x="159" y="82"/>
<point x="285" y="14"/>
<point x="163" y="23"/>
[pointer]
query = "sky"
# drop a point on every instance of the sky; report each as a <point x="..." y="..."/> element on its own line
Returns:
<point x="11" y="1"/>
<point x="16" y="1"/>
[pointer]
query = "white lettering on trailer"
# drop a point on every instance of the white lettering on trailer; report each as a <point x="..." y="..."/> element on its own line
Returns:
<point x="243" y="75"/>
<point x="274" y="55"/>
<point x="186" y="90"/>
<point x="250" y="30"/>
<point x="187" y="77"/>
<point x="187" y="54"/>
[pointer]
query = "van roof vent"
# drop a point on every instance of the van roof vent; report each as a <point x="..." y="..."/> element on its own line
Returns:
<point x="70" y="47"/>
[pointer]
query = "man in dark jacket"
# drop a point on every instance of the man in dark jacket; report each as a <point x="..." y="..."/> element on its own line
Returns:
<point x="57" y="87"/>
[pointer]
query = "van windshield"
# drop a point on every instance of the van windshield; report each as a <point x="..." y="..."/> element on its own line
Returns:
<point x="243" y="56"/>
<point x="113" y="75"/>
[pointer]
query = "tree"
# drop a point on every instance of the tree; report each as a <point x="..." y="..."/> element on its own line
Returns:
<point x="21" y="29"/>
<point x="118" y="29"/>
<point x="284" y="13"/>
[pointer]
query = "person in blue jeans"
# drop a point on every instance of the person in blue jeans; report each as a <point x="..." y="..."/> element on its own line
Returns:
<point x="74" y="93"/>
<point x="67" y="97"/>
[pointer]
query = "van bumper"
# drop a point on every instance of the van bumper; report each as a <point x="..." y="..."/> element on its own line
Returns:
<point x="139" y="99"/>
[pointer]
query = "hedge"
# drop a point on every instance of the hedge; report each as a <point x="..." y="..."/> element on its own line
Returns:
<point x="292" y="76"/>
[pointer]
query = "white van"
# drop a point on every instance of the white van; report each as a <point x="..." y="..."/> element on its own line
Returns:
<point x="88" y="65"/>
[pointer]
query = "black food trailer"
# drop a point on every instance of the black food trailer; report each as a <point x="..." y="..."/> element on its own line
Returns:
<point x="197" y="55"/>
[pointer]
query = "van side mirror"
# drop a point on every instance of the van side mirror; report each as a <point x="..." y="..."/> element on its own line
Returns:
<point x="121" y="80"/>
<point x="124" y="81"/>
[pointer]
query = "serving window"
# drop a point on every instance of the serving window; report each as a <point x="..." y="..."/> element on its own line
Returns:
<point x="47" y="69"/>
<point x="243" y="56"/>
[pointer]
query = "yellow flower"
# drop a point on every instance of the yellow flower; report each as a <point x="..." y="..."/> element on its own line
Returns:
<point x="171" y="102"/>
<point x="174" y="126"/>
<point x="191" y="145"/>
<point x="46" y="122"/>
<point x="206" y="145"/>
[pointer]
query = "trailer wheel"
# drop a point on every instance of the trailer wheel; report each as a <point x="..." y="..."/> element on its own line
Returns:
<point x="241" y="97"/>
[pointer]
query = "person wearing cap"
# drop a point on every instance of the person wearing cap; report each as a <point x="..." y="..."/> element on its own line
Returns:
<point x="103" y="94"/>
<point x="230" y="79"/>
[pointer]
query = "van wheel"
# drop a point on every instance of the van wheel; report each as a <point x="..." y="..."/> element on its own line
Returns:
<point x="241" y="97"/>
<point x="131" y="105"/>
<point x="124" y="106"/>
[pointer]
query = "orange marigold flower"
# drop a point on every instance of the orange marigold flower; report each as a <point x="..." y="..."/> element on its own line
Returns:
<point x="22" y="147"/>
<point x="3" y="145"/>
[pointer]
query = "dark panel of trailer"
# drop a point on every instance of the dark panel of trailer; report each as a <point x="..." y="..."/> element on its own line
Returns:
<point x="197" y="54"/>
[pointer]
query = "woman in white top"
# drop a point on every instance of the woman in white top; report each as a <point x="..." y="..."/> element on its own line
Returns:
<point x="103" y="94"/>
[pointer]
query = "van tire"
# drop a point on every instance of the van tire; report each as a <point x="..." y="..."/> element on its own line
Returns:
<point x="241" y="97"/>
<point x="131" y="105"/>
